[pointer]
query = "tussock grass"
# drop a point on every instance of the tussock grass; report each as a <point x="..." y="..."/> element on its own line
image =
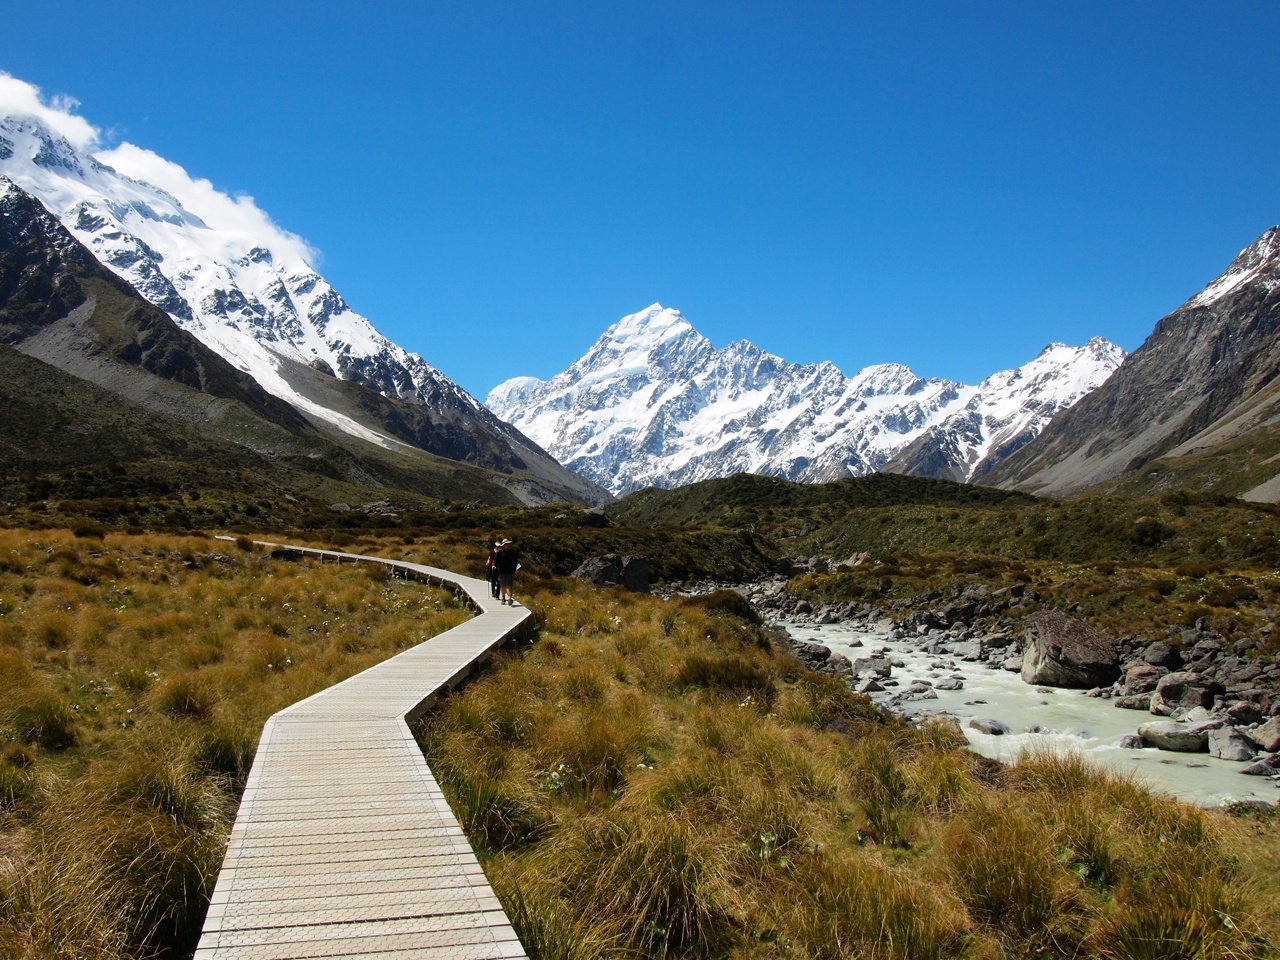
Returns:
<point x="639" y="791"/>
<point x="135" y="675"/>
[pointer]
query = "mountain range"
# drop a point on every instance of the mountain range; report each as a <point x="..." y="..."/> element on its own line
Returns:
<point x="654" y="403"/>
<point x="213" y="334"/>
<point x="249" y="294"/>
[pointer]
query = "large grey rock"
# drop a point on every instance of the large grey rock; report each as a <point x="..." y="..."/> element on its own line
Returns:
<point x="1179" y="737"/>
<point x="1264" y="767"/>
<point x="1243" y="713"/>
<point x="872" y="666"/>
<point x="1061" y="651"/>
<point x="1137" y="701"/>
<point x="1267" y="736"/>
<point x="1230" y="744"/>
<point x="612" y="570"/>
<point x="1141" y="677"/>
<point x="1161" y="654"/>
<point x="1182" y="691"/>
<point x="993" y="727"/>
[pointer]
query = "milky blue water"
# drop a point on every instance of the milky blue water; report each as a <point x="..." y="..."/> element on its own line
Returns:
<point x="1072" y="721"/>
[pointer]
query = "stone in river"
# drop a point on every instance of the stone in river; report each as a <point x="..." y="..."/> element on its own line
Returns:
<point x="1183" y="690"/>
<point x="1179" y="737"/>
<point x="993" y="727"/>
<point x="1267" y="736"/>
<point x="1139" y="701"/>
<point x="1061" y="651"/>
<point x="951" y="683"/>
<point x="1229" y="743"/>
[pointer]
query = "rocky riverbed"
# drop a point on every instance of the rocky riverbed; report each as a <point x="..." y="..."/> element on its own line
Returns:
<point x="1189" y="698"/>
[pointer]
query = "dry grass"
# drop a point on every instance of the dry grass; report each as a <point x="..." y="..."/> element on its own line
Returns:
<point x="681" y="789"/>
<point x="137" y="673"/>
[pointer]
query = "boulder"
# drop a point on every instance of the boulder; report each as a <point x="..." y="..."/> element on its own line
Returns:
<point x="993" y="727"/>
<point x="1243" y="713"/>
<point x="1267" y="766"/>
<point x="1013" y="665"/>
<point x="869" y="685"/>
<point x="839" y="665"/>
<point x="1228" y="743"/>
<point x="950" y="683"/>
<point x="812" y="655"/>
<point x="1061" y="651"/>
<point x="1179" y="737"/>
<point x="1141" y="677"/>
<point x="612" y="570"/>
<point x="1131" y="741"/>
<point x="872" y="666"/>
<point x="1161" y="654"/>
<point x="1137" y="701"/>
<point x="1267" y="736"/>
<point x="1182" y="691"/>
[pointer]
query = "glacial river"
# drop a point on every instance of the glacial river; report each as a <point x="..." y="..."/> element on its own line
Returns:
<point x="1071" y="720"/>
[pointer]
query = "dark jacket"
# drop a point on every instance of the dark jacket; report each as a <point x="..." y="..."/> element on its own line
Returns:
<point x="506" y="561"/>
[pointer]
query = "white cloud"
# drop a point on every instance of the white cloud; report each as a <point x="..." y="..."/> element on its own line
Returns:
<point x="237" y="215"/>
<point x="18" y="96"/>
<point x="225" y="214"/>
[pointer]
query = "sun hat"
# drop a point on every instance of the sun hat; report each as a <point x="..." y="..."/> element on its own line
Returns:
<point x="505" y="543"/>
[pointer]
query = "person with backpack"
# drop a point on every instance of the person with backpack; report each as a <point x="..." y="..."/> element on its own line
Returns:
<point x="507" y="563"/>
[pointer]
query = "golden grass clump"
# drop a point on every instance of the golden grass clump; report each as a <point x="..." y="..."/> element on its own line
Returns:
<point x="135" y="675"/>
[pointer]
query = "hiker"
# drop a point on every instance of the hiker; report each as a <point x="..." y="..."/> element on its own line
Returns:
<point x="507" y="562"/>
<point x="491" y="569"/>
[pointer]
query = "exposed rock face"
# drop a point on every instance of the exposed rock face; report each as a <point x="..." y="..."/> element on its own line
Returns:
<point x="1061" y="651"/>
<point x="1141" y="677"/>
<point x="611" y="570"/>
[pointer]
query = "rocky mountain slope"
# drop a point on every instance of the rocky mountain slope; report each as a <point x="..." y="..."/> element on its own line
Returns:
<point x="1198" y="404"/>
<point x="246" y="290"/>
<point x="654" y="403"/>
<point x="93" y="373"/>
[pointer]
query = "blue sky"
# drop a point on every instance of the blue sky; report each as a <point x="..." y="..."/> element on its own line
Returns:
<point x="946" y="185"/>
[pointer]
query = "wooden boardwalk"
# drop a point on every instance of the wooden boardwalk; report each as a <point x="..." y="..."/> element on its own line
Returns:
<point x="344" y="846"/>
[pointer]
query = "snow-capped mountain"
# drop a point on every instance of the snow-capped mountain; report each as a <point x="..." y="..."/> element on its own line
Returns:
<point x="246" y="288"/>
<point x="654" y="403"/>
<point x="252" y="304"/>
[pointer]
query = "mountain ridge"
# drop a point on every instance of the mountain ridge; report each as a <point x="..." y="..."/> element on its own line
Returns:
<point x="247" y="291"/>
<point x="1205" y="378"/>
<point x="653" y="402"/>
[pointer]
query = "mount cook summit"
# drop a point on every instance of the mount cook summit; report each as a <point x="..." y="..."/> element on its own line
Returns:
<point x="654" y="403"/>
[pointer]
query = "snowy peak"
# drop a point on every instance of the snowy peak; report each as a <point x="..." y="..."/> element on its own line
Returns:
<point x="246" y="288"/>
<point x="1254" y="262"/>
<point x="653" y="402"/>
